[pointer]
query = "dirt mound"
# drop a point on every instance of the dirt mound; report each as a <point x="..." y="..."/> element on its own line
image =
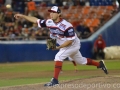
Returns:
<point x="94" y="83"/>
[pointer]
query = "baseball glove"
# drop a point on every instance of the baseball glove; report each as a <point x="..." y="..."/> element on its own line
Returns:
<point x="51" y="44"/>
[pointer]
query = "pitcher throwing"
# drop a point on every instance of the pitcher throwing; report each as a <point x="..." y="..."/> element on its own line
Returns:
<point x="63" y="32"/>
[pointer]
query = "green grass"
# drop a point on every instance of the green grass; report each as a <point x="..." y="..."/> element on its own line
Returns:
<point x="23" y="81"/>
<point x="20" y="81"/>
<point x="111" y="64"/>
<point x="26" y="66"/>
<point x="43" y="67"/>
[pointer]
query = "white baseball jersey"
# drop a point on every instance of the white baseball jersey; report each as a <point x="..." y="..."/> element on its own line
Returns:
<point x="63" y="31"/>
<point x="60" y="31"/>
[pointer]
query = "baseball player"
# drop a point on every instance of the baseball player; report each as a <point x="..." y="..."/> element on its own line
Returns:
<point x="69" y="43"/>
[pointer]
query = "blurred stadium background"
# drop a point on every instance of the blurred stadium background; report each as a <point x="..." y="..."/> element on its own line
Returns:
<point x="21" y="40"/>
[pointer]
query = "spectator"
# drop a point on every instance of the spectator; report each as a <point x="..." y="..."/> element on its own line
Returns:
<point x="80" y="29"/>
<point x="11" y="36"/>
<point x="20" y="4"/>
<point x="118" y="2"/>
<point x="83" y="31"/>
<point x="31" y="7"/>
<point x="70" y="3"/>
<point x="99" y="46"/>
<point x="65" y="5"/>
<point x="25" y="33"/>
<point x="87" y="32"/>
<point x="43" y="4"/>
<point x="2" y="2"/>
<point x="116" y="5"/>
<point x="59" y="2"/>
<point x="9" y="17"/>
<point x="52" y="3"/>
<point x="7" y="2"/>
<point x="34" y="27"/>
<point x="36" y="14"/>
<point x="25" y="23"/>
<point x="87" y="3"/>
<point x="39" y="35"/>
<point x="32" y="36"/>
<point x="17" y="31"/>
<point x="82" y="2"/>
<point x="45" y="33"/>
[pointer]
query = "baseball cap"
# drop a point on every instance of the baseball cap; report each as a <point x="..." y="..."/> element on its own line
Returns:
<point x="55" y="9"/>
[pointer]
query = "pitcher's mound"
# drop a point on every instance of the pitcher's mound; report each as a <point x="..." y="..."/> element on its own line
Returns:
<point x="93" y="83"/>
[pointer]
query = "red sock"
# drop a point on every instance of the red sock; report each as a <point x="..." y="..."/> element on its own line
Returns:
<point x="92" y="62"/>
<point x="58" y="66"/>
<point x="74" y="63"/>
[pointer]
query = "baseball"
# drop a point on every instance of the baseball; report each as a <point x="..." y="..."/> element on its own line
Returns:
<point x="8" y="6"/>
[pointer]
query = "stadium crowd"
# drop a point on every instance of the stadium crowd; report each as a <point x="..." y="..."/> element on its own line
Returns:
<point x="12" y="29"/>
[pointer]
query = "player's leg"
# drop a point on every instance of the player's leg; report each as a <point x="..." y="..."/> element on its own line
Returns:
<point x="60" y="56"/>
<point x="57" y="69"/>
<point x="74" y="63"/>
<point x="87" y="61"/>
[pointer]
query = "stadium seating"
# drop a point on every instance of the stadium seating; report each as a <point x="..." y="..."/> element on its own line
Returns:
<point x="90" y="15"/>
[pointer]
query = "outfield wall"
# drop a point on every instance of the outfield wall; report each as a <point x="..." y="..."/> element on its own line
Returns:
<point x="24" y="51"/>
<point x="16" y="51"/>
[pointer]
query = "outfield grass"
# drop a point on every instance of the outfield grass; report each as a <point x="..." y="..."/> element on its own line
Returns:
<point x="33" y="67"/>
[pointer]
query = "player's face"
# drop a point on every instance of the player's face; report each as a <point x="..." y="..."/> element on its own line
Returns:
<point x="54" y="16"/>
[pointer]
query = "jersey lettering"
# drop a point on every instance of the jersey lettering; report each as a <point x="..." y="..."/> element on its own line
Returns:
<point x="56" y="31"/>
<point x="62" y="26"/>
<point x="69" y="33"/>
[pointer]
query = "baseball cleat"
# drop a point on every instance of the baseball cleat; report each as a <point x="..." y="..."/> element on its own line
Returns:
<point x="103" y="67"/>
<point x="52" y="82"/>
